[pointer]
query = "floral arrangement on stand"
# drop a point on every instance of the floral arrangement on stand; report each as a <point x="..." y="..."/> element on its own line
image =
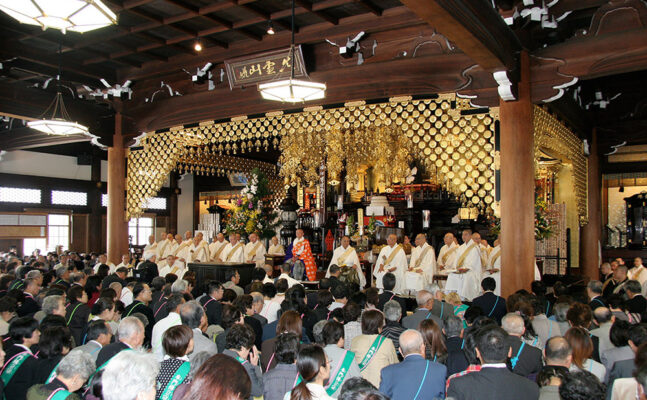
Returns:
<point x="250" y="215"/>
<point x="544" y="226"/>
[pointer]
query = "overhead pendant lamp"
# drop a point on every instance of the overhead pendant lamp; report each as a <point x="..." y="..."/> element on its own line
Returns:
<point x="59" y="121"/>
<point x="66" y="15"/>
<point x="292" y="90"/>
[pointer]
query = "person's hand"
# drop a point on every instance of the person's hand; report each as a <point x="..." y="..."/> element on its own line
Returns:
<point x="463" y="270"/>
<point x="253" y="356"/>
<point x="493" y="270"/>
<point x="381" y="268"/>
<point x="392" y="269"/>
<point x="419" y="271"/>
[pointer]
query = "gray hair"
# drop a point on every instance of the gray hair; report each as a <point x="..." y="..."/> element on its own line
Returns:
<point x="560" y="310"/>
<point x="410" y="341"/>
<point x="129" y="374"/>
<point x="423" y="297"/>
<point x="191" y="314"/>
<point x="129" y="327"/>
<point x="77" y="362"/>
<point x="392" y="311"/>
<point x="197" y="361"/>
<point x="633" y="286"/>
<point x="595" y="287"/>
<point x="257" y="297"/>
<point x="60" y="271"/>
<point x="513" y="324"/>
<point x="51" y="303"/>
<point x="149" y="255"/>
<point x="179" y="286"/>
<point x="76" y="276"/>
<point x="33" y="274"/>
<point x="114" y="286"/>
<point x="453" y="326"/>
<point x="317" y="331"/>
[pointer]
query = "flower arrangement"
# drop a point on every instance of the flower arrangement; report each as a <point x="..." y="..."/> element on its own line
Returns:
<point x="249" y="215"/>
<point x="543" y="224"/>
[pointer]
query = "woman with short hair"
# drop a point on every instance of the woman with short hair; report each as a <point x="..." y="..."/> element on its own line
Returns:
<point x="70" y="375"/>
<point x="372" y="350"/>
<point x="290" y="321"/>
<point x="177" y="342"/>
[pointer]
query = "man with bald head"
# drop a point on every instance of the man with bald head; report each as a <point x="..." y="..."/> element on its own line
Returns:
<point x="422" y="266"/>
<point x="165" y="247"/>
<point x="346" y="256"/>
<point x="391" y="259"/>
<point x="216" y="248"/>
<point x="234" y="251"/>
<point x="526" y="359"/>
<point x="465" y="275"/>
<point x="447" y="253"/>
<point x="302" y="258"/>
<point x="182" y="251"/>
<point x="199" y="250"/>
<point x="152" y="245"/>
<point x="255" y="251"/>
<point x="414" y="377"/>
<point x="559" y="356"/>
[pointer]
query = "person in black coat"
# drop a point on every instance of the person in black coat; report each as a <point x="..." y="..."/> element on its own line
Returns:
<point x="636" y="303"/>
<point x="493" y="306"/>
<point x="24" y="334"/>
<point x="594" y="291"/>
<point x="29" y="306"/>
<point x="526" y="360"/>
<point x="131" y="336"/>
<point x="456" y="360"/>
<point x="388" y="281"/>
<point x="494" y="381"/>
<point x="245" y="304"/>
<point x="55" y="342"/>
<point x="142" y="297"/>
<point x="148" y="269"/>
<point x="119" y="276"/>
<point x="77" y="313"/>
<point x="211" y="302"/>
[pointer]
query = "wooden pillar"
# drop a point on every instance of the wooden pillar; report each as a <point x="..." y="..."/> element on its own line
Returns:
<point x="591" y="233"/>
<point x="172" y="203"/>
<point x="94" y="199"/>
<point x="517" y="187"/>
<point x="116" y="221"/>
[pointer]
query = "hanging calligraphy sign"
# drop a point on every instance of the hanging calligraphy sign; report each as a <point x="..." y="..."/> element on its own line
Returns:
<point x="265" y="67"/>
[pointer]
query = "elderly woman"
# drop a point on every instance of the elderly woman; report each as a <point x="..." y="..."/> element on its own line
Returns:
<point x="130" y="375"/>
<point x="373" y="351"/>
<point x="70" y="375"/>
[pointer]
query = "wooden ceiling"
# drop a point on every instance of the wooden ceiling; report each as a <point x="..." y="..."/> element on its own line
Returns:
<point x="411" y="47"/>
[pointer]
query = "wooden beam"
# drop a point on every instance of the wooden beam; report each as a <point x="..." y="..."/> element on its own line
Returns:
<point x="371" y="7"/>
<point x="308" y="6"/>
<point x="475" y="27"/>
<point x="26" y="138"/>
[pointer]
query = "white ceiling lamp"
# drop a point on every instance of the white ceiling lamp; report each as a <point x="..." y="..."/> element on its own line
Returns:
<point x="66" y="15"/>
<point x="292" y="90"/>
<point x="59" y="121"/>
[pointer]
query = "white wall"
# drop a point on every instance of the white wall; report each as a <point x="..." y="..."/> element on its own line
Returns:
<point x="41" y="164"/>
<point x="185" y="204"/>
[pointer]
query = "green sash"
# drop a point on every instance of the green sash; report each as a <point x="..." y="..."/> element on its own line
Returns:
<point x="179" y="377"/>
<point x="342" y="371"/>
<point x="131" y="310"/>
<point x="53" y="373"/>
<point x="13" y="366"/>
<point x="371" y="352"/>
<point x="102" y="366"/>
<point x="59" y="394"/>
<point x="72" y="314"/>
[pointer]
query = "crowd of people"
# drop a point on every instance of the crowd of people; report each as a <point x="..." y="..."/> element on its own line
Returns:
<point x="74" y="326"/>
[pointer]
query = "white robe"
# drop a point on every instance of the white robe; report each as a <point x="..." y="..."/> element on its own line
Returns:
<point x="277" y="250"/>
<point x="237" y="257"/>
<point x="111" y="265"/>
<point x="415" y="281"/>
<point x="164" y="249"/>
<point x="199" y="253"/>
<point x="450" y="259"/>
<point x="150" y="247"/>
<point x="214" y="247"/>
<point x="494" y="262"/>
<point x="179" y="266"/>
<point x="468" y="284"/>
<point x="182" y="250"/>
<point x="399" y="262"/>
<point x="259" y="257"/>
<point x="350" y="260"/>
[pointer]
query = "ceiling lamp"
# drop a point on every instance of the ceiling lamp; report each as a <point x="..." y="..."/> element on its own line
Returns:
<point x="58" y="124"/>
<point x="292" y="90"/>
<point x="66" y="15"/>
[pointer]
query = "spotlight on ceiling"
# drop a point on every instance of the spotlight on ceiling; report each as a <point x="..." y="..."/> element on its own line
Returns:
<point x="197" y="46"/>
<point x="270" y="28"/>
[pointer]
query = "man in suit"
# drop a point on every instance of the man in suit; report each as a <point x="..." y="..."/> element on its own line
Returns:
<point x="148" y="269"/>
<point x="131" y="336"/>
<point x="388" y="281"/>
<point x="99" y="335"/>
<point x="456" y="360"/>
<point x="558" y="353"/>
<point x="211" y="302"/>
<point x="29" y="307"/>
<point x="594" y="291"/>
<point x="193" y="316"/>
<point x="232" y="278"/>
<point x="625" y="368"/>
<point x="636" y="303"/>
<point x="526" y="360"/>
<point x="24" y="333"/>
<point x="119" y="276"/>
<point x="494" y="381"/>
<point x="143" y="296"/>
<point x="425" y="301"/>
<point x="440" y="308"/>
<point x="605" y="320"/>
<point x="414" y="377"/>
<point x="492" y="305"/>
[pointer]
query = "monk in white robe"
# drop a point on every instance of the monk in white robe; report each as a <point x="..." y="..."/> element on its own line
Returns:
<point x="391" y="259"/>
<point x="173" y="265"/>
<point x="346" y="256"/>
<point x="125" y="262"/>
<point x="151" y="247"/>
<point x="255" y="251"/>
<point x="276" y="248"/>
<point x="493" y="268"/>
<point x="465" y="276"/>
<point x="199" y="250"/>
<point x="216" y="248"/>
<point x="234" y="251"/>
<point x="182" y="250"/>
<point x="165" y="247"/>
<point x="447" y="253"/>
<point x="103" y="259"/>
<point x="422" y="265"/>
